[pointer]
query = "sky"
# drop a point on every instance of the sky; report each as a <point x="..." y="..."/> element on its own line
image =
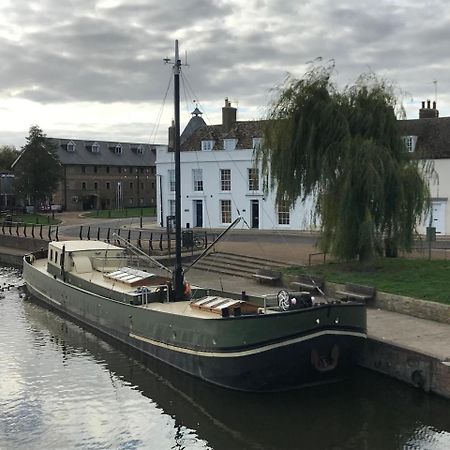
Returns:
<point x="92" y="69"/>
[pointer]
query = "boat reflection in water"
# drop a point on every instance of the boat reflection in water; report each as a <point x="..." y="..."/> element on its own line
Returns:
<point x="364" y="412"/>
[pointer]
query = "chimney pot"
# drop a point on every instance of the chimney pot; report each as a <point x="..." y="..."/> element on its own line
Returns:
<point x="423" y="104"/>
<point x="428" y="104"/>
<point x="434" y="105"/>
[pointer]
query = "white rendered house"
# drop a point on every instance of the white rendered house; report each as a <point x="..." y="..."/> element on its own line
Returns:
<point x="219" y="181"/>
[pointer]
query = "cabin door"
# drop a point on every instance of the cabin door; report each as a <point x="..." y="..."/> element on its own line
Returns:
<point x="254" y="215"/>
<point x="198" y="213"/>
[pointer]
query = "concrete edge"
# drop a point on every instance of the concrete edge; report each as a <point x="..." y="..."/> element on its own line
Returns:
<point x="420" y="370"/>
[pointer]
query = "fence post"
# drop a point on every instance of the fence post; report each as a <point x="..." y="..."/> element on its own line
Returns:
<point x="139" y="243"/>
<point x="10" y="230"/>
<point x="89" y="233"/>
<point x="17" y="228"/>
<point x="3" y="228"/>
<point x="160" y="241"/>
<point x="150" y="242"/>
<point x="32" y="230"/>
<point x="25" y="229"/>
<point x="81" y="232"/>
<point x="129" y="235"/>
<point x="98" y="233"/>
<point x="49" y="232"/>
<point x="108" y="236"/>
<point x="40" y="232"/>
<point x="140" y="220"/>
<point x="57" y="231"/>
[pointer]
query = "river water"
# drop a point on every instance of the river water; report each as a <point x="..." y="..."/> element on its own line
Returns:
<point x="62" y="387"/>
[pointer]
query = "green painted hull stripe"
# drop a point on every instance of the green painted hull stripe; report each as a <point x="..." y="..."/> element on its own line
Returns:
<point x="250" y="352"/>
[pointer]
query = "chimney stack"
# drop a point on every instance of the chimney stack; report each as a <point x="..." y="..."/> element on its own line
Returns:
<point x="228" y="116"/>
<point x="428" y="112"/>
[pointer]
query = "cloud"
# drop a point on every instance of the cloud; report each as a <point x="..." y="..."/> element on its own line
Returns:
<point x="110" y="51"/>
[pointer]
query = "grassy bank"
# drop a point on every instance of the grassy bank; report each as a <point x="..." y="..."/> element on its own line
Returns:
<point x="32" y="219"/>
<point x="121" y="213"/>
<point x="418" y="278"/>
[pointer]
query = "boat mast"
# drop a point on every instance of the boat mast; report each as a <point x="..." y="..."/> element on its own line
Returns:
<point x="178" y="272"/>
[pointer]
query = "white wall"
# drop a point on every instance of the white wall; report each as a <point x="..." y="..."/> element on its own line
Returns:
<point x="238" y="161"/>
<point x="440" y="191"/>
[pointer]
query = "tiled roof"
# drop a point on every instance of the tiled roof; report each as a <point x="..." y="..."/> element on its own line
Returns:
<point x="433" y="136"/>
<point x="131" y="153"/>
<point x="244" y="132"/>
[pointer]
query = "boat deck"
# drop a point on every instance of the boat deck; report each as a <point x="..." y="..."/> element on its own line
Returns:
<point x="182" y="308"/>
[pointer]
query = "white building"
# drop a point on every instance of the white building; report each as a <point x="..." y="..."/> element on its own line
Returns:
<point x="219" y="180"/>
<point x="428" y="137"/>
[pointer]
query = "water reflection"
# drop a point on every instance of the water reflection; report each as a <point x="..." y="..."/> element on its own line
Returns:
<point x="61" y="387"/>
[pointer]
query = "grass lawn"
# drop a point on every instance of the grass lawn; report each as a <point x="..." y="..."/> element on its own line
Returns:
<point x="418" y="278"/>
<point x="120" y="213"/>
<point x="36" y="219"/>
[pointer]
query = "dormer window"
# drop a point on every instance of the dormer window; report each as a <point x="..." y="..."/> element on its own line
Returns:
<point x="140" y="150"/>
<point x="229" y="144"/>
<point x="410" y="143"/>
<point x="207" y="146"/>
<point x="95" y="148"/>
<point x="118" y="150"/>
<point x="257" y="143"/>
<point x="70" y="147"/>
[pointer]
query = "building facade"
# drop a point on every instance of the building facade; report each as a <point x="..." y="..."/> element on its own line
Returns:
<point x="428" y="139"/>
<point x="219" y="179"/>
<point x="105" y="174"/>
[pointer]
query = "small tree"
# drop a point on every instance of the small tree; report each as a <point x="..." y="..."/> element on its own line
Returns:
<point x="344" y="150"/>
<point x="38" y="170"/>
<point x="8" y="154"/>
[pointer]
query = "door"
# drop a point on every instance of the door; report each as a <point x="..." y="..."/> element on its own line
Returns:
<point x="438" y="219"/>
<point x="198" y="213"/>
<point x="254" y="218"/>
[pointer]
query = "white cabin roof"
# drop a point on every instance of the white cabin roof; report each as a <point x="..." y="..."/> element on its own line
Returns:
<point x="73" y="246"/>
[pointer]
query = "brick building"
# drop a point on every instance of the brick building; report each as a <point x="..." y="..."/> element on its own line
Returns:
<point x="105" y="174"/>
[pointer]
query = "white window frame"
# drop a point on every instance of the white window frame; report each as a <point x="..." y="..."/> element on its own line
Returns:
<point x="283" y="214"/>
<point x="225" y="211"/>
<point x="140" y="150"/>
<point x="95" y="148"/>
<point x="197" y="180"/>
<point x="410" y="143"/>
<point x="71" y="147"/>
<point x="257" y="142"/>
<point x="229" y="144"/>
<point x="118" y="150"/>
<point x="253" y="181"/>
<point x="171" y="179"/>
<point x="225" y="180"/>
<point x="207" y="145"/>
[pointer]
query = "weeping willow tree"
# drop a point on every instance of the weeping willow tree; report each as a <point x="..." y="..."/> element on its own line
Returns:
<point x="343" y="149"/>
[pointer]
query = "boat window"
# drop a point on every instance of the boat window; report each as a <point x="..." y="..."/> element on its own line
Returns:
<point x="56" y="257"/>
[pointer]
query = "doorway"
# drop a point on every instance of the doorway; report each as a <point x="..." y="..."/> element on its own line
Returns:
<point x="198" y="213"/>
<point x="438" y="219"/>
<point x="254" y="213"/>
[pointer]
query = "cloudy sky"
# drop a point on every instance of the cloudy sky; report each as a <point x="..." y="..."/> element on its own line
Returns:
<point x="94" y="69"/>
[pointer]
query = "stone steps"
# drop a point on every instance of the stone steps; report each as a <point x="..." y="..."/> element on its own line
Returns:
<point x="235" y="265"/>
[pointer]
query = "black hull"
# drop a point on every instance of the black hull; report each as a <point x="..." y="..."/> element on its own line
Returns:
<point x="267" y="352"/>
<point x="292" y="366"/>
<point x="320" y="357"/>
